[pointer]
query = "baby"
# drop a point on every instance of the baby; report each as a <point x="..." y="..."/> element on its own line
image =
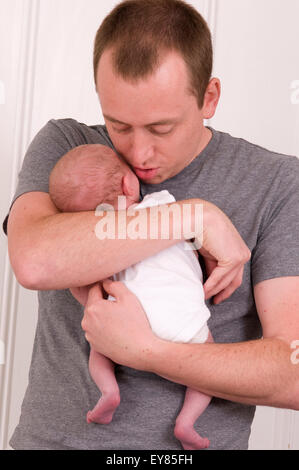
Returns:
<point x="168" y="284"/>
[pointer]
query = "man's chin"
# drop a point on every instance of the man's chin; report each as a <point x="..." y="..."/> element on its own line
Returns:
<point x="155" y="180"/>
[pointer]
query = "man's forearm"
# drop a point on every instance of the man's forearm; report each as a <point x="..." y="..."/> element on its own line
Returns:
<point x="256" y="372"/>
<point x="65" y="251"/>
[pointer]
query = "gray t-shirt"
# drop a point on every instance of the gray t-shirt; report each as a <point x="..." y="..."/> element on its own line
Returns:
<point x="259" y="191"/>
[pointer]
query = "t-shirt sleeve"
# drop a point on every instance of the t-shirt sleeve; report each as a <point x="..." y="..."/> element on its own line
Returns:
<point x="55" y="139"/>
<point x="276" y="253"/>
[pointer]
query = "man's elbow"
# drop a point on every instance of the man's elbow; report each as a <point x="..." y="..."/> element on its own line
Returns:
<point x="295" y="395"/>
<point x="294" y="376"/>
<point x="28" y="269"/>
<point x="293" y="402"/>
<point x="27" y="275"/>
<point x="288" y="395"/>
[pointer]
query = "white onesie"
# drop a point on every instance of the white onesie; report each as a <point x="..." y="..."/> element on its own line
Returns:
<point x="169" y="287"/>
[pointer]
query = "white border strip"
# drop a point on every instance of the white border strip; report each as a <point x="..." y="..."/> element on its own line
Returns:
<point x="29" y="13"/>
<point x="210" y="11"/>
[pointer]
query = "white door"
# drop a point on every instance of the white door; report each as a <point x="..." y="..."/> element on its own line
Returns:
<point x="257" y="60"/>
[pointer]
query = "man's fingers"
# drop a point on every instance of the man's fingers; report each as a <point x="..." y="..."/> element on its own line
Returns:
<point x="220" y="280"/>
<point x="95" y="296"/>
<point x="210" y="265"/>
<point x="224" y="294"/>
<point x="117" y="289"/>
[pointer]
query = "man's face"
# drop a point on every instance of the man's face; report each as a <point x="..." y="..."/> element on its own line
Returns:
<point x="154" y="123"/>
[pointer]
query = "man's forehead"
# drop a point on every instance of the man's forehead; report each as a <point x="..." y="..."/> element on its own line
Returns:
<point x="163" y="97"/>
<point x="171" y="69"/>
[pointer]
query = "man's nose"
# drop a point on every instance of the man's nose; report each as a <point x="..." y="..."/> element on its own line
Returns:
<point x="141" y="150"/>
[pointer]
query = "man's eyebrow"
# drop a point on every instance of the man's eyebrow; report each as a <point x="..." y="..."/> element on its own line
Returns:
<point x="157" y="123"/>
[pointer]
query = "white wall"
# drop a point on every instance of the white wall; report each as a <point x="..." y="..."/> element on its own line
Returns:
<point x="46" y="72"/>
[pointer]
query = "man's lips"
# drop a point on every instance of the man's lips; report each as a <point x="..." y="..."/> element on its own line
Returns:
<point x="146" y="174"/>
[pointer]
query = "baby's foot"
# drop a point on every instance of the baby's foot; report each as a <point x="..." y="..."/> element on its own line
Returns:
<point x="189" y="438"/>
<point x="104" y="409"/>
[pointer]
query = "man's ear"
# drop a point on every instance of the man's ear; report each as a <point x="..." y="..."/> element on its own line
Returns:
<point x="212" y="97"/>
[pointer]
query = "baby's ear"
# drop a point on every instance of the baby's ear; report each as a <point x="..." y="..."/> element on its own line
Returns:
<point x="126" y="185"/>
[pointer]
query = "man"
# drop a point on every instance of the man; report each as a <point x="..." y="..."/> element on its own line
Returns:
<point x="153" y="63"/>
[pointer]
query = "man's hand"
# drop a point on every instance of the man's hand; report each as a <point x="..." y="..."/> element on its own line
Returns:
<point x="118" y="329"/>
<point x="224" y="252"/>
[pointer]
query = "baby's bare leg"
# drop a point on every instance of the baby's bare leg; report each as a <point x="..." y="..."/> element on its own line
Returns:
<point x="194" y="405"/>
<point x="102" y="371"/>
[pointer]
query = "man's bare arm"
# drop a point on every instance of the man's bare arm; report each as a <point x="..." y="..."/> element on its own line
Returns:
<point x="259" y="372"/>
<point x="52" y="250"/>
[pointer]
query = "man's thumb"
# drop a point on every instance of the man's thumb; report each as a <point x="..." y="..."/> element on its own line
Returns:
<point x="115" y="288"/>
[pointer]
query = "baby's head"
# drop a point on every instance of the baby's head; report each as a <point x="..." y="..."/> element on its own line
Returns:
<point x="90" y="175"/>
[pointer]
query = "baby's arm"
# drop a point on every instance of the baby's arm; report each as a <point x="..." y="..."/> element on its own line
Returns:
<point x="81" y="293"/>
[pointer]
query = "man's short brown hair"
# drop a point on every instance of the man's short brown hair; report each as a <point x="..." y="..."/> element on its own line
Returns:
<point x="141" y="31"/>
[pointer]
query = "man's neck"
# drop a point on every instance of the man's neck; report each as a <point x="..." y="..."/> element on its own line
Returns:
<point x="206" y="138"/>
